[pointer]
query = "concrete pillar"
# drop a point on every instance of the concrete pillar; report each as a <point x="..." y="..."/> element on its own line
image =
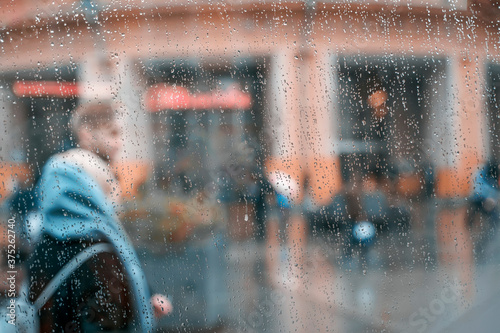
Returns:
<point x="285" y="165"/>
<point x="13" y="167"/>
<point x="284" y="129"/>
<point x="454" y="183"/>
<point x="321" y="120"/>
<point x="95" y="78"/>
<point x="135" y="162"/>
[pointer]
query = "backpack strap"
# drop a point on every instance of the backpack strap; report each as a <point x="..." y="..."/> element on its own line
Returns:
<point x="68" y="269"/>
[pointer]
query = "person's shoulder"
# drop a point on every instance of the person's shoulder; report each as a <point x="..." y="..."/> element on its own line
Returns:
<point x="86" y="160"/>
<point x="75" y="157"/>
<point x="62" y="164"/>
<point x="61" y="159"/>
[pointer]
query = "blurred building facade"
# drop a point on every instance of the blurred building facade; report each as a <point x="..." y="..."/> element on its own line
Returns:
<point x="219" y="96"/>
<point x="299" y="80"/>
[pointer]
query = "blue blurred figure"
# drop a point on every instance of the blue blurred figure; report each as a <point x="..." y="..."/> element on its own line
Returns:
<point x="484" y="212"/>
<point x="485" y="191"/>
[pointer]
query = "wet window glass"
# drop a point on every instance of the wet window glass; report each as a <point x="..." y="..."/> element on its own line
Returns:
<point x="249" y="167"/>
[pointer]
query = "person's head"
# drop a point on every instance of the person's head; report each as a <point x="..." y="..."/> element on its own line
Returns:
<point x="376" y="95"/>
<point x="96" y="129"/>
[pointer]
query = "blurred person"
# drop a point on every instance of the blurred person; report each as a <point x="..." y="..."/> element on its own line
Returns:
<point x="239" y="187"/>
<point x="486" y="190"/>
<point x="78" y="198"/>
<point x="374" y="194"/>
<point x="484" y="210"/>
<point x="385" y="206"/>
<point x="288" y="223"/>
<point x="330" y="221"/>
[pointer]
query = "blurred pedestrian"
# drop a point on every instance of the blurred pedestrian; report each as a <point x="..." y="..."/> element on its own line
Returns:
<point x="484" y="212"/>
<point x="486" y="190"/>
<point x="78" y="198"/>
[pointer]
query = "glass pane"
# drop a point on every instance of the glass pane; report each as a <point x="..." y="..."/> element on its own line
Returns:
<point x="249" y="166"/>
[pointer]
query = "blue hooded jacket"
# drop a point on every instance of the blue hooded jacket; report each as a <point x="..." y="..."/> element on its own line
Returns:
<point x="73" y="205"/>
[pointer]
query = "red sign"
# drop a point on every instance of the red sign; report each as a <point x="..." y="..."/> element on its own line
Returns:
<point x="45" y="89"/>
<point x="162" y="97"/>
